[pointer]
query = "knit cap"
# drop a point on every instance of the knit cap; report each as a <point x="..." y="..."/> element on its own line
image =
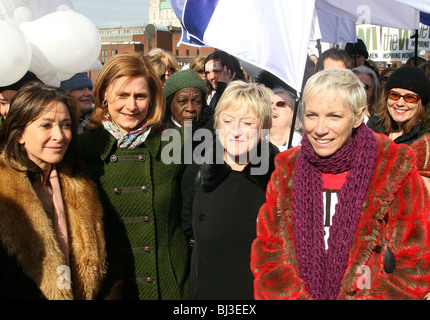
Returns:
<point x="410" y="78"/>
<point x="79" y="80"/>
<point x="421" y="147"/>
<point x="358" y="47"/>
<point x="183" y="79"/>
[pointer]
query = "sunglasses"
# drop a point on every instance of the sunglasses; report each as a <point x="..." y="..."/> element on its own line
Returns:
<point x="280" y="104"/>
<point x="409" y="97"/>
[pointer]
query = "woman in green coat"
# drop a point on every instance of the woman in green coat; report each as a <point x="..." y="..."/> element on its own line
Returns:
<point x="140" y="193"/>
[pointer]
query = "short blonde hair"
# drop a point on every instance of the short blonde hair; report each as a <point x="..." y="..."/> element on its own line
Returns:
<point x="172" y="62"/>
<point x="342" y="83"/>
<point x="253" y="96"/>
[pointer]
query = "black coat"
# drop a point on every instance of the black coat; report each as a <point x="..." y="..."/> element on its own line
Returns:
<point x="417" y="132"/>
<point x="219" y="215"/>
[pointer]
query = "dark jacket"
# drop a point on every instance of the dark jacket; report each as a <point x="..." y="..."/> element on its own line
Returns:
<point x="219" y="214"/>
<point x="142" y="202"/>
<point x="417" y="132"/>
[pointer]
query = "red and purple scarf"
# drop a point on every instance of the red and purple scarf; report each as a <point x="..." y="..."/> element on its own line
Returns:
<point x="321" y="270"/>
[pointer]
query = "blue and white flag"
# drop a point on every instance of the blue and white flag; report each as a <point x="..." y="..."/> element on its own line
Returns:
<point x="274" y="35"/>
<point x="271" y="35"/>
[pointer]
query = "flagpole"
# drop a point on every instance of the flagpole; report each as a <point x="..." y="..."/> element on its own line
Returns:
<point x="293" y="122"/>
<point x="416" y="46"/>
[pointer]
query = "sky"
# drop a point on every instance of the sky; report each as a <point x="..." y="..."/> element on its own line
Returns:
<point x="114" y="13"/>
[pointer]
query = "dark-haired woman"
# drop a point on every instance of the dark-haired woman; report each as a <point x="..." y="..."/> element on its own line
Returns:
<point x="52" y="243"/>
<point x="402" y="110"/>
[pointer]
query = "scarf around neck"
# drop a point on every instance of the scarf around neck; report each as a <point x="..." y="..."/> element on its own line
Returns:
<point x="130" y="140"/>
<point x="322" y="270"/>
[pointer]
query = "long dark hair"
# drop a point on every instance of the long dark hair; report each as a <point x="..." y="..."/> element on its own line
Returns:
<point x="32" y="101"/>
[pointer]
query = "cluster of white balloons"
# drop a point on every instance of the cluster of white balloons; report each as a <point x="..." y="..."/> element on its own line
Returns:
<point x="54" y="46"/>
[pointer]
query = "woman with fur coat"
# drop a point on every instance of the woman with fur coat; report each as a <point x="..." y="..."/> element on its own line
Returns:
<point x="346" y="215"/>
<point x="52" y="243"/>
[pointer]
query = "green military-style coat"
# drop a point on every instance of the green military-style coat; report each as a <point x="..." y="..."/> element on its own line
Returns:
<point x="141" y="197"/>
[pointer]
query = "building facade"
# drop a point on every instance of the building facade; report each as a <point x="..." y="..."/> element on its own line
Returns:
<point x="163" y="31"/>
<point x="161" y="13"/>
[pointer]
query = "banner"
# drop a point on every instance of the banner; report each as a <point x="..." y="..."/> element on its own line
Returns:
<point x="273" y="36"/>
<point x="391" y="44"/>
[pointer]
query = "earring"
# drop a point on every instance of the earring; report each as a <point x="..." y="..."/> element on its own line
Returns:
<point x="104" y="103"/>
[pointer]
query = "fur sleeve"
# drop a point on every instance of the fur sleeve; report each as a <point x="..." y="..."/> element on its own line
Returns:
<point x="273" y="260"/>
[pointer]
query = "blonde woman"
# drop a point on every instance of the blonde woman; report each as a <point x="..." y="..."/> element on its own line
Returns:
<point x="338" y="221"/>
<point x="221" y="197"/>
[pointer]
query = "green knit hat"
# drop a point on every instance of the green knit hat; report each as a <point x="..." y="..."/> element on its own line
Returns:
<point x="183" y="79"/>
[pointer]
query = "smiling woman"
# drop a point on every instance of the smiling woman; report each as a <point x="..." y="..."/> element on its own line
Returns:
<point x="221" y="198"/>
<point x="340" y="203"/>
<point x="401" y="111"/>
<point x="140" y="194"/>
<point x="48" y="201"/>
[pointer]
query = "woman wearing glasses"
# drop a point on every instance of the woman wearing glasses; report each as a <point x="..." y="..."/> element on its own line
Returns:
<point x="401" y="111"/>
<point x="371" y="85"/>
<point x="283" y="109"/>
<point x="283" y="101"/>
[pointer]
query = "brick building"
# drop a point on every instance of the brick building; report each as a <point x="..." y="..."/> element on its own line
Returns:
<point x="143" y="39"/>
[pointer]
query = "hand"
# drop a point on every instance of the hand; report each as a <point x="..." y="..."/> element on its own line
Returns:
<point x="226" y="75"/>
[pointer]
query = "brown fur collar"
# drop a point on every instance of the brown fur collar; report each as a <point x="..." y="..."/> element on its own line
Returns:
<point x="27" y="234"/>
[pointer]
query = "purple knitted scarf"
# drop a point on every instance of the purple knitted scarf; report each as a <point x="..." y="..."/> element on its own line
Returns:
<point x="321" y="270"/>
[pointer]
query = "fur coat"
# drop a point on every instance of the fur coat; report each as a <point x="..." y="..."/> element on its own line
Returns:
<point x="394" y="213"/>
<point x="32" y="265"/>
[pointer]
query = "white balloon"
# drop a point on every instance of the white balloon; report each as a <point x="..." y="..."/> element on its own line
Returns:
<point x="68" y="41"/>
<point x="97" y="65"/>
<point x="22" y="14"/>
<point x="15" y="54"/>
<point x="64" y="76"/>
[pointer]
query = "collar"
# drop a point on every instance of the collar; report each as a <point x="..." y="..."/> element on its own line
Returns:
<point x="214" y="174"/>
<point x="106" y="143"/>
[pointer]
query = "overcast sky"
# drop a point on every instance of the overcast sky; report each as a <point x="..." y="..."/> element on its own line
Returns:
<point x="114" y="13"/>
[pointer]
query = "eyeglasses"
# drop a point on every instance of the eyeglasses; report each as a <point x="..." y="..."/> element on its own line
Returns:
<point x="409" y="97"/>
<point x="280" y="104"/>
<point x="367" y="86"/>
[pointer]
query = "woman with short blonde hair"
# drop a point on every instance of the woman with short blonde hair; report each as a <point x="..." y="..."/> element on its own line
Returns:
<point x="247" y="95"/>
<point x="221" y="198"/>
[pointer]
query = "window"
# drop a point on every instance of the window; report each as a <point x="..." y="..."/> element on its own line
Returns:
<point x="104" y="56"/>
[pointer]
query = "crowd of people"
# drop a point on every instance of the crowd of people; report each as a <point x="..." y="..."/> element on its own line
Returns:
<point x="324" y="196"/>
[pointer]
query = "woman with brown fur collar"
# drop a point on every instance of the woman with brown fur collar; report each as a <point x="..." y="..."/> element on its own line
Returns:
<point x="51" y="231"/>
